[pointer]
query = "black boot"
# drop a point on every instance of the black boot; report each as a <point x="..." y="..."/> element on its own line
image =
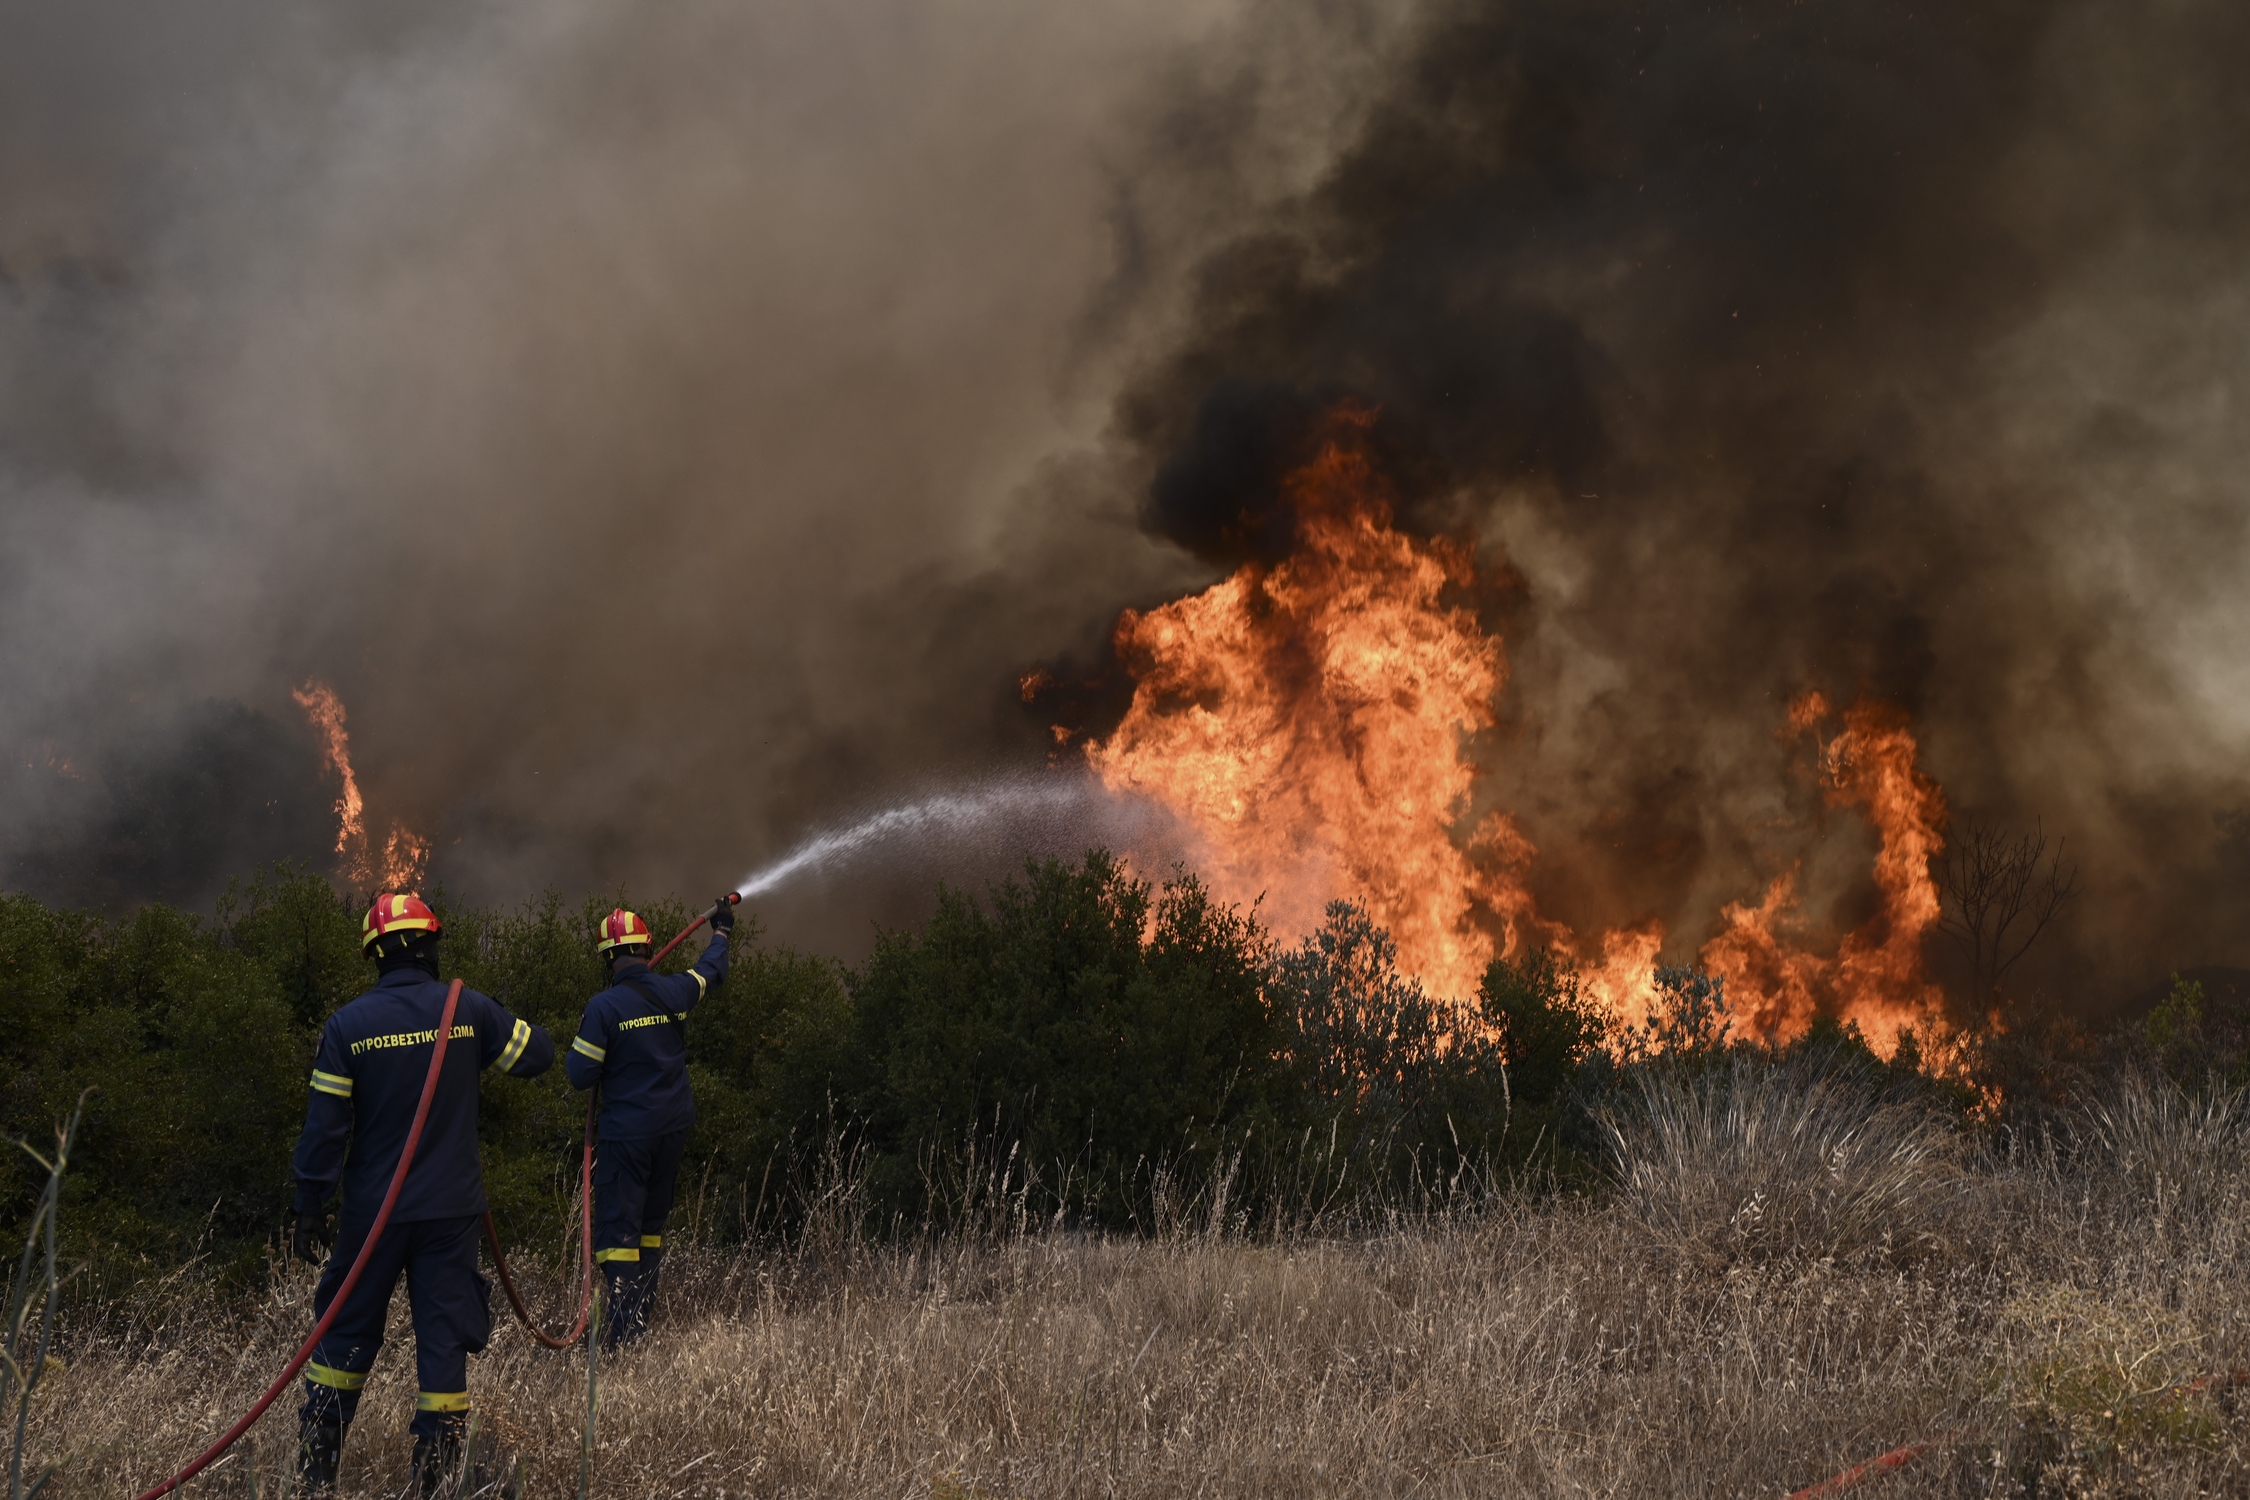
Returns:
<point x="628" y="1305"/>
<point x="437" y="1457"/>
<point x="320" y="1450"/>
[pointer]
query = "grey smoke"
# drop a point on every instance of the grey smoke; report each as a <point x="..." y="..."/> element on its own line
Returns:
<point x="674" y="430"/>
<point x="665" y="429"/>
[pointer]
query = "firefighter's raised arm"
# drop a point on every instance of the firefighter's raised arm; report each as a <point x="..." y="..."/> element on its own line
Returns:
<point x="710" y="970"/>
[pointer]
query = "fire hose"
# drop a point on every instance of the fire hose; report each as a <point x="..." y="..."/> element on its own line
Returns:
<point x="304" y="1353"/>
<point x="1899" y="1458"/>
<point x="1858" y="1474"/>
<point x="731" y="898"/>
<point x="585" y="1251"/>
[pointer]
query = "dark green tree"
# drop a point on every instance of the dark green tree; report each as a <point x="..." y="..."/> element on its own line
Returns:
<point x="1090" y="1024"/>
<point x="1412" y="1082"/>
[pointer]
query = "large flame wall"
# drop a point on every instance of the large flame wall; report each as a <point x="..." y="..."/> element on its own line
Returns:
<point x="1310" y="720"/>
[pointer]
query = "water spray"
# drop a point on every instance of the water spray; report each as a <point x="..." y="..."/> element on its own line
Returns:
<point x="946" y="813"/>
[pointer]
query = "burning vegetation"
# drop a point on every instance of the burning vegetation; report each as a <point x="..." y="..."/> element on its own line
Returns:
<point x="1876" y="978"/>
<point x="1777" y="348"/>
<point x="1306" y="720"/>
<point x="1637" y="452"/>
<point x="1315" y="722"/>
<point x="396" y="865"/>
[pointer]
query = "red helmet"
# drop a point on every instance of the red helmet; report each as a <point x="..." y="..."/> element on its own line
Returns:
<point x="621" y="929"/>
<point x="396" y="913"/>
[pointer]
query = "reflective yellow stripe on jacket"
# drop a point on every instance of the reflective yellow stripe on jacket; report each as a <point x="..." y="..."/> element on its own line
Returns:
<point x="580" y="1044"/>
<point x="516" y="1043"/>
<point x="332" y="1083"/>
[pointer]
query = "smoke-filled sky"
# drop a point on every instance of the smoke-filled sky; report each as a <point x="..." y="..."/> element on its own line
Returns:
<point x="672" y="429"/>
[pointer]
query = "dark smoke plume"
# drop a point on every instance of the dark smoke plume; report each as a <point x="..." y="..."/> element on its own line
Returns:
<point x="1887" y="349"/>
<point x="673" y="429"/>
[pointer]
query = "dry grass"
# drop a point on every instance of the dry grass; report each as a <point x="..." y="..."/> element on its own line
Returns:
<point x="1791" y="1279"/>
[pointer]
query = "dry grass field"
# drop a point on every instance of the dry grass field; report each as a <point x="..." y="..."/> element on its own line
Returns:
<point x="1787" y="1278"/>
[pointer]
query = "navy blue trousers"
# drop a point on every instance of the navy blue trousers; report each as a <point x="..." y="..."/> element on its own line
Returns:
<point x="452" y="1304"/>
<point x="634" y="1184"/>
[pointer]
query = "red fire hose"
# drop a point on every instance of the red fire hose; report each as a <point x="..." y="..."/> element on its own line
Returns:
<point x="585" y="1250"/>
<point x="1899" y="1458"/>
<point x="492" y="1235"/>
<point x="351" y="1277"/>
<point x="731" y="898"/>
<point x="1858" y="1474"/>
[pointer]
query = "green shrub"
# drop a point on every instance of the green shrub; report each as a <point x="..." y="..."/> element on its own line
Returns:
<point x="1093" y="1025"/>
<point x="1077" y="1041"/>
<point x="201" y="1071"/>
<point x="767" y="1058"/>
<point x="1687" y="1024"/>
<point x="295" y="927"/>
<point x="1374" y="1062"/>
<point x="1553" y="1034"/>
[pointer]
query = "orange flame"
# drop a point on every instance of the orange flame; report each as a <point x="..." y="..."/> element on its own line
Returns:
<point x="404" y="854"/>
<point x="1308" y="721"/>
<point x="1876" y="980"/>
<point x="1305" y="720"/>
<point x="325" y="712"/>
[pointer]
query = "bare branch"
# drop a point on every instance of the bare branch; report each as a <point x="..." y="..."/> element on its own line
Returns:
<point x="2049" y="893"/>
<point x="2000" y="894"/>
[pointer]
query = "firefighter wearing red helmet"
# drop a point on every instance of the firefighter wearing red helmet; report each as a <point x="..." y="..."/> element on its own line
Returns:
<point x="367" y="1082"/>
<point x="632" y="1042"/>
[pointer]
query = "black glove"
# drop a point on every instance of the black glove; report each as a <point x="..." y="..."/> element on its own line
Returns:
<point x="722" y="916"/>
<point x="309" y="1236"/>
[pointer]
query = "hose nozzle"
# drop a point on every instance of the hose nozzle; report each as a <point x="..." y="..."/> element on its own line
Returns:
<point x="731" y="898"/>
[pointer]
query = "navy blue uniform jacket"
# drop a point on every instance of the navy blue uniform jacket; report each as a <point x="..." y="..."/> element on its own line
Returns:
<point x="374" y="1056"/>
<point x="631" y="1048"/>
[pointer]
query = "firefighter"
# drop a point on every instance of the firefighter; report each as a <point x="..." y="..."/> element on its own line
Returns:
<point x="632" y="1042"/>
<point x="367" y="1081"/>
